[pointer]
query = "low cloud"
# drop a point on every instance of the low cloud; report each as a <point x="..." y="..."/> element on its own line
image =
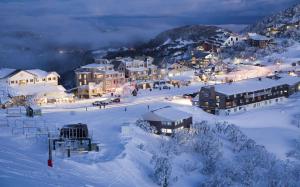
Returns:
<point x="32" y="32"/>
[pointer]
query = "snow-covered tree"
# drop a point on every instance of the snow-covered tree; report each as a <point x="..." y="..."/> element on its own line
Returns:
<point x="145" y="126"/>
<point x="162" y="170"/>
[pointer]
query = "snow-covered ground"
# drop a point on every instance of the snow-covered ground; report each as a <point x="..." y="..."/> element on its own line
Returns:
<point x="124" y="156"/>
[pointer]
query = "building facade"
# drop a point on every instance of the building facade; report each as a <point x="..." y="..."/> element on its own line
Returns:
<point x="34" y="86"/>
<point x="97" y="79"/>
<point x="257" y="40"/>
<point x="246" y="95"/>
<point x="140" y="68"/>
<point x="168" y="120"/>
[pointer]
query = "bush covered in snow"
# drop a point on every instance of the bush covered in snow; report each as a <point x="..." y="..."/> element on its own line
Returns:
<point x="145" y="126"/>
<point x="250" y="164"/>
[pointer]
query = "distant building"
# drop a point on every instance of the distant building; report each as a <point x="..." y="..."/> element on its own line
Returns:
<point x="221" y="40"/>
<point x="168" y="120"/>
<point x="257" y="40"/>
<point x="177" y="69"/>
<point x="247" y="94"/>
<point x="96" y="79"/>
<point x="201" y="58"/>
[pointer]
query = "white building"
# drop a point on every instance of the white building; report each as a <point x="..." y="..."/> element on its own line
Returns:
<point x="224" y="39"/>
<point x="31" y="77"/>
<point x="35" y="85"/>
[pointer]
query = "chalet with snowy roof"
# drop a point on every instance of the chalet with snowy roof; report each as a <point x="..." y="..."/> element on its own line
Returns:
<point x="247" y="94"/>
<point x="35" y="86"/>
<point x="96" y="79"/>
<point x="168" y="120"/>
<point x="14" y="77"/>
<point x="257" y="40"/>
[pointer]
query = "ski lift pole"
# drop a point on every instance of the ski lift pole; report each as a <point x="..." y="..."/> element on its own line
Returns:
<point x="50" y="164"/>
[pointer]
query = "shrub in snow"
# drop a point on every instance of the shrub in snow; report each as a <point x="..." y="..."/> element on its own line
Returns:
<point x="162" y="170"/>
<point x="201" y="127"/>
<point x="208" y="145"/>
<point x="145" y="126"/>
<point x="296" y="152"/>
<point x="225" y="175"/>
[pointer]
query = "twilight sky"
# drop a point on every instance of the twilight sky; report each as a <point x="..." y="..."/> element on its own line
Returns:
<point x="29" y="28"/>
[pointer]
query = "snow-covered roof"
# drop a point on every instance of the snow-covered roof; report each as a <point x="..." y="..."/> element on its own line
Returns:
<point x="94" y="65"/>
<point x="111" y="72"/>
<point x="184" y="76"/>
<point x="36" y="89"/>
<point x="35" y="107"/>
<point x="166" y="114"/>
<point x="40" y="73"/>
<point x="4" y="72"/>
<point x="251" y="85"/>
<point x="137" y="69"/>
<point x="255" y="36"/>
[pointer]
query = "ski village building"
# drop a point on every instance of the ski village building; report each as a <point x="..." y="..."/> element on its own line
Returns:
<point x="177" y="69"/>
<point x="35" y="86"/>
<point x="97" y="79"/>
<point x="257" y="40"/>
<point x="168" y="120"/>
<point x="220" y="40"/>
<point x="247" y="94"/>
<point x="136" y="69"/>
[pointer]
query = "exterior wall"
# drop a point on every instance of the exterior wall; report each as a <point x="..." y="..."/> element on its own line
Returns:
<point x="215" y="102"/>
<point x="231" y="41"/>
<point x="113" y="81"/>
<point x="25" y="78"/>
<point x="92" y="82"/>
<point x="21" y="78"/>
<point x="252" y="106"/>
<point x="258" y="43"/>
<point x="137" y="75"/>
<point x="169" y="129"/>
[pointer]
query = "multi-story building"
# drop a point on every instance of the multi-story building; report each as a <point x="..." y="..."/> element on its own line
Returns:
<point x="247" y="94"/>
<point x="96" y="79"/>
<point x="136" y="69"/>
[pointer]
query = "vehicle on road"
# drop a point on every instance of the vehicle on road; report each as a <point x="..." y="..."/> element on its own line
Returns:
<point x="97" y="103"/>
<point x="116" y="100"/>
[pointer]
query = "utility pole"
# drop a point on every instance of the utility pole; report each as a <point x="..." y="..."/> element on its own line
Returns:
<point x="50" y="164"/>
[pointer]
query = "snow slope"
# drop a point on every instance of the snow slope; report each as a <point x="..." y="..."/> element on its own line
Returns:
<point x="124" y="158"/>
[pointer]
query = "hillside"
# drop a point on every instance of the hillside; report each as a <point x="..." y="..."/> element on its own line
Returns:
<point x="194" y="33"/>
<point x="171" y="42"/>
<point x="279" y="21"/>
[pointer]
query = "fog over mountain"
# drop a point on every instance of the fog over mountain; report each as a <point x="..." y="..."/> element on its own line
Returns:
<point x="54" y="35"/>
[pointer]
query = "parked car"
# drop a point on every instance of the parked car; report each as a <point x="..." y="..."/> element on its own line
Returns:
<point x="106" y="102"/>
<point x="166" y="87"/>
<point x="192" y="95"/>
<point x="116" y="100"/>
<point x="97" y="103"/>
